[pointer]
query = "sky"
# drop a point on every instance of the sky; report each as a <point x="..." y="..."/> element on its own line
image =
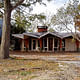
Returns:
<point x="51" y="7"/>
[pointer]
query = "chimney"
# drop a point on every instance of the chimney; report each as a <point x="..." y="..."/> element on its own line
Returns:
<point x="42" y="28"/>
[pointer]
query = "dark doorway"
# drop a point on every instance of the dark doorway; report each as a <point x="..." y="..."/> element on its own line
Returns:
<point x="34" y="44"/>
<point x="30" y="44"/>
<point x="56" y="44"/>
<point x="50" y="44"/>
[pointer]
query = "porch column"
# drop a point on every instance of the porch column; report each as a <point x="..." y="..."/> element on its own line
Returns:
<point x="40" y="41"/>
<point x="77" y="45"/>
<point x="37" y="45"/>
<point x="60" y="44"/>
<point x="22" y="45"/>
<point x="53" y="44"/>
<point x="26" y="43"/>
<point x="47" y="44"/>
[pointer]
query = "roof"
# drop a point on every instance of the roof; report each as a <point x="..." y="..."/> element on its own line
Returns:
<point x="51" y="33"/>
<point x="21" y="36"/>
<point x="65" y="35"/>
<point x="36" y="34"/>
<point x="42" y="27"/>
<point x="42" y="34"/>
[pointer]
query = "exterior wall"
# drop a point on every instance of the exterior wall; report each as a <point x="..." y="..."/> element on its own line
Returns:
<point x="70" y="45"/>
<point x="79" y="46"/>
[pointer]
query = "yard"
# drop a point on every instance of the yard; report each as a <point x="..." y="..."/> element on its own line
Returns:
<point x="38" y="66"/>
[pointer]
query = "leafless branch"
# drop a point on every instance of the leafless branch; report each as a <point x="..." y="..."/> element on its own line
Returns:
<point x="17" y="4"/>
<point x="1" y="12"/>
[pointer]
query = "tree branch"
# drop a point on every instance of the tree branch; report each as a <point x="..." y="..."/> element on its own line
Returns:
<point x="17" y="4"/>
<point x="1" y="12"/>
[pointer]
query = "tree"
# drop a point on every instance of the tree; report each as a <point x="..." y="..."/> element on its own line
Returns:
<point x="21" y="22"/>
<point x="18" y="22"/>
<point x="62" y="20"/>
<point x="8" y="6"/>
<point x="66" y="16"/>
<point x="35" y="21"/>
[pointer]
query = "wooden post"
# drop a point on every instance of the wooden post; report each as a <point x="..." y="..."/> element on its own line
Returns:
<point x="47" y="44"/>
<point x="60" y="44"/>
<point x="27" y="44"/>
<point x="53" y="44"/>
<point x="22" y="45"/>
<point x="40" y="41"/>
<point x="77" y="45"/>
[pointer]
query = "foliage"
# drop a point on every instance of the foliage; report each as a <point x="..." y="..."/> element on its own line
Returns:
<point x="64" y="19"/>
<point x="51" y="30"/>
<point x="8" y="7"/>
<point x="22" y="22"/>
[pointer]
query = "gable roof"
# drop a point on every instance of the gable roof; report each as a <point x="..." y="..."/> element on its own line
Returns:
<point x="21" y="36"/>
<point x="36" y="34"/>
<point x="51" y="33"/>
<point x="65" y="35"/>
<point x="42" y="34"/>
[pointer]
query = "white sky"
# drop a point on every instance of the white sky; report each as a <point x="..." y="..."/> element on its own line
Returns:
<point x="51" y="7"/>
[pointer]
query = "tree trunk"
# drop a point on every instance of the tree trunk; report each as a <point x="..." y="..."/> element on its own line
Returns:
<point x="5" y="42"/>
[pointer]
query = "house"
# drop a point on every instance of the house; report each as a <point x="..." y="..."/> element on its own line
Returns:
<point x="46" y="41"/>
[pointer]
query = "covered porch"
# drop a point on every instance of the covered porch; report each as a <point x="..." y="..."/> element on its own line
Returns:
<point x="45" y="44"/>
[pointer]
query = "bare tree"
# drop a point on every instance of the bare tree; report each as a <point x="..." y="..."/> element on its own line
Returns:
<point x="66" y="18"/>
<point x="8" y="8"/>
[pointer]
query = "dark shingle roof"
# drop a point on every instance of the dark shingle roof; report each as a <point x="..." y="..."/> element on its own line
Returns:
<point x="42" y="34"/>
<point x="21" y="36"/>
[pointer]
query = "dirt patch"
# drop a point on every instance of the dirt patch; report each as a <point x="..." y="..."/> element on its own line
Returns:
<point x="36" y="69"/>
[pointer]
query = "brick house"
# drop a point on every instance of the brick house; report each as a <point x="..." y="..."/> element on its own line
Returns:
<point x="46" y="41"/>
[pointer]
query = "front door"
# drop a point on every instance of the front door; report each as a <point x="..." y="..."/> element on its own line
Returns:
<point x="50" y="45"/>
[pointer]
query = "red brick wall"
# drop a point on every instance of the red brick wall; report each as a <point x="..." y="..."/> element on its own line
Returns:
<point x="26" y="43"/>
<point x="42" y="30"/>
<point x="60" y="43"/>
<point x="40" y="41"/>
<point x="77" y="43"/>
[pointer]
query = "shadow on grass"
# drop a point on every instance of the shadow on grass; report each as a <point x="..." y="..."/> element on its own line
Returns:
<point x="20" y="58"/>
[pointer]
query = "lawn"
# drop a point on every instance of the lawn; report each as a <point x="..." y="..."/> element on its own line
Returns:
<point x="36" y="69"/>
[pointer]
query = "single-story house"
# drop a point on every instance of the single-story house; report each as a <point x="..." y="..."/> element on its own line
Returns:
<point x="46" y="41"/>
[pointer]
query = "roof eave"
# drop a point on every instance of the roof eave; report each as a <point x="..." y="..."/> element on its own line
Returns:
<point x="30" y="35"/>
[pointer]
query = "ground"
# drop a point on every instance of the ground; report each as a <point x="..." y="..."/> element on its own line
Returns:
<point x="40" y="66"/>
